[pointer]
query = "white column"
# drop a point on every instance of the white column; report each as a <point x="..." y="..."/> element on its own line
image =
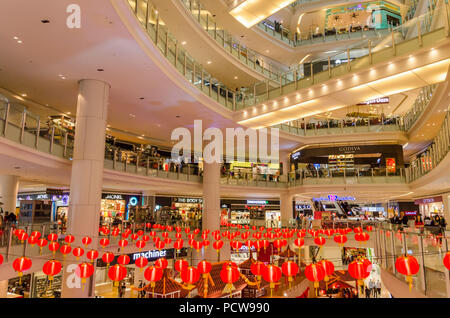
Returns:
<point x="3" y="288"/>
<point x="9" y="186"/>
<point x="87" y="174"/>
<point x="446" y="202"/>
<point x="285" y="159"/>
<point x="211" y="207"/>
<point x="286" y="208"/>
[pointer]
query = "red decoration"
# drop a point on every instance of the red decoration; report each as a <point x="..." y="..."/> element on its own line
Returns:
<point x="315" y="273"/>
<point x="92" y="255"/>
<point x="104" y="242"/>
<point x="272" y="275"/>
<point x="446" y="260"/>
<point x="53" y="247"/>
<point x="140" y="245"/>
<point x="204" y="267"/>
<point x="162" y="262"/>
<point x="21" y="265"/>
<point x="141" y="262"/>
<point x="86" y="241"/>
<point x="229" y="275"/>
<point x="218" y="245"/>
<point x="328" y="267"/>
<point x="153" y="274"/>
<point x="408" y="266"/>
<point x="340" y="239"/>
<point x="108" y="257"/>
<point x="69" y="239"/>
<point x="123" y="260"/>
<point x="359" y="271"/>
<point x="123" y="243"/>
<point x="257" y="269"/>
<point x="84" y="271"/>
<point x="116" y="273"/>
<point x="320" y="241"/>
<point x="160" y="245"/>
<point x="65" y="249"/>
<point x="32" y="240"/>
<point x="290" y="269"/>
<point x="36" y="234"/>
<point x="78" y="252"/>
<point x="52" y="237"/>
<point x="22" y="236"/>
<point x="190" y="276"/>
<point x="181" y="264"/>
<point x="51" y="269"/>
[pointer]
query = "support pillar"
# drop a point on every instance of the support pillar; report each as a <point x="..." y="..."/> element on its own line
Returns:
<point x="286" y="208"/>
<point x="9" y="186"/>
<point x="3" y="288"/>
<point x="285" y="160"/>
<point x="86" y="179"/>
<point x="446" y="201"/>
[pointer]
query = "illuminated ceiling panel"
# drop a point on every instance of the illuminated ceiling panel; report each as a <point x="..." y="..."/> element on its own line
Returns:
<point x="251" y="12"/>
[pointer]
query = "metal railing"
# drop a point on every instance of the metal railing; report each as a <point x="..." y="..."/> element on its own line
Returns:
<point x="247" y="56"/>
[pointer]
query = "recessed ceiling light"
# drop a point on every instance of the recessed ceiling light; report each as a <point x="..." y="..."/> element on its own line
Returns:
<point x="209" y="62"/>
<point x="68" y="113"/>
<point x="235" y="77"/>
<point x="45" y="21"/>
<point x="177" y="116"/>
<point x="100" y="70"/>
<point x="16" y="38"/>
<point x="24" y="95"/>
<point x="183" y="43"/>
<point x="141" y="98"/>
<point x="20" y="41"/>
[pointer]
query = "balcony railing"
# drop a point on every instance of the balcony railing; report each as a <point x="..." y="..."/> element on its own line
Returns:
<point x="249" y="57"/>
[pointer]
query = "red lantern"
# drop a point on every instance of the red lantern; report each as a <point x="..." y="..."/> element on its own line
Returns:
<point x="315" y="273"/>
<point x="408" y="266"/>
<point x="84" y="271"/>
<point x="21" y="265"/>
<point x="32" y="240"/>
<point x="104" y="242"/>
<point x="36" y="234"/>
<point x="116" y="273"/>
<point x="328" y="268"/>
<point x="86" y="241"/>
<point x="206" y="243"/>
<point x="22" y="236"/>
<point x="53" y="247"/>
<point x="181" y="264"/>
<point x="257" y="269"/>
<point x="290" y="269"/>
<point x="190" y="276"/>
<point x="167" y="240"/>
<point x="236" y="245"/>
<point x="218" y="245"/>
<point x="204" y="267"/>
<point x="92" y="255"/>
<point x="229" y="275"/>
<point x="134" y="237"/>
<point x="340" y="239"/>
<point x="141" y="262"/>
<point x="108" y="257"/>
<point x="51" y="269"/>
<point x="320" y="241"/>
<point x="140" y="245"/>
<point x="369" y="228"/>
<point x="65" y="249"/>
<point x="52" y="237"/>
<point x="161" y="262"/>
<point x="178" y="244"/>
<point x="229" y="264"/>
<point x="357" y="230"/>
<point x="160" y="245"/>
<point x="123" y="260"/>
<point x="153" y="274"/>
<point x="447" y="260"/>
<point x="272" y="275"/>
<point x="78" y="252"/>
<point x="69" y="239"/>
<point x="359" y="271"/>
<point x="123" y="243"/>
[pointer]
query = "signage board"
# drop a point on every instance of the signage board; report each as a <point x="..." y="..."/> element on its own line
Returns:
<point x="188" y="200"/>
<point x="258" y="202"/>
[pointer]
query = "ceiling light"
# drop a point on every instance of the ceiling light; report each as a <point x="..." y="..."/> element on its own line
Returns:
<point x="100" y="70"/>
<point x="209" y="62"/>
<point x="45" y="21"/>
<point x="235" y="77"/>
<point x="183" y="43"/>
<point x="68" y="113"/>
<point x="19" y="41"/>
<point x="16" y="38"/>
<point x="24" y="95"/>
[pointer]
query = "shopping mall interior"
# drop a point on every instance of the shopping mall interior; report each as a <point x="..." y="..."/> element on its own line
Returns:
<point x="224" y="149"/>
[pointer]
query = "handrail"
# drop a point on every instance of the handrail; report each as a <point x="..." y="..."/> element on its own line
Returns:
<point x="245" y="55"/>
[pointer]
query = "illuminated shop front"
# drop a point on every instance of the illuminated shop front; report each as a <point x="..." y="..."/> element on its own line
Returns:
<point x="430" y="206"/>
<point x="251" y="212"/>
<point x="117" y="206"/>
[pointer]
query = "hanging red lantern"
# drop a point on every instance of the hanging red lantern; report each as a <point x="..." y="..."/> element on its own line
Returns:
<point x="51" y="269"/>
<point x="123" y="243"/>
<point x="145" y="238"/>
<point x="257" y="269"/>
<point x="134" y="237"/>
<point x="446" y="260"/>
<point x="52" y="237"/>
<point x="272" y="275"/>
<point x="357" y="230"/>
<point x="92" y="255"/>
<point x="32" y="240"/>
<point x="36" y="234"/>
<point x="140" y="245"/>
<point x="86" y="241"/>
<point x="340" y="239"/>
<point x="180" y="265"/>
<point x="358" y="270"/>
<point x="217" y="245"/>
<point x="22" y="237"/>
<point x="315" y="273"/>
<point x="104" y="242"/>
<point x="329" y="270"/>
<point x="369" y="228"/>
<point x="65" y="249"/>
<point x="53" y="247"/>
<point x="78" y="252"/>
<point x="123" y="260"/>
<point x="187" y="230"/>
<point x="141" y="262"/>
<point x="104" y="230"/>
<point x="265" y="244"/>
<point x="289" y="269"/>
<point x="160" y="245"/>
<point x="69" y="239"/>
<point x="236" y="245"/>
<point x="178" y="244"/>
<point x="320" y="241"/>
<point x="167" y="240"/>
<point x="161" y="262"/>
<point x="299" y="242"/>
<point x="190" y="276"/>
<point x="21" y="265"/>
<point x="153" y="274"/>
<point x="178" y="235"/>
<point x="108" y="257"/>
<point x="408" y="266"/>
<point x="117" y="273"/>
<point x="257" y="235"/>
<point x="204" y="267"/>
<point x="229" y="264"/>
<point x="229" y="275"/>
<point x="140" y="233"/>
<point x="84" y="271"/>
<point x="115" y="232"/>
<point x="278" y="244"/>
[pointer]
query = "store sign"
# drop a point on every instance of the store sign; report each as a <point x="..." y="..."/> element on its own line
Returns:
<point x="302" y="207"/>
<point x="113" y="197"/>
<point x="381" y="100"/>
<point x="332" y="198"/>
<point x="150" y="255"/>
<point x="349" y="149"/>
<point x="188" y="200"/>
<point x="54" y="191"/>
<point x="296" y="155"/>
<point x="428" y="200"/>
<point x="257" y="202"/>
<point x="133" y="201"/>
<point x="410" y="212"/>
